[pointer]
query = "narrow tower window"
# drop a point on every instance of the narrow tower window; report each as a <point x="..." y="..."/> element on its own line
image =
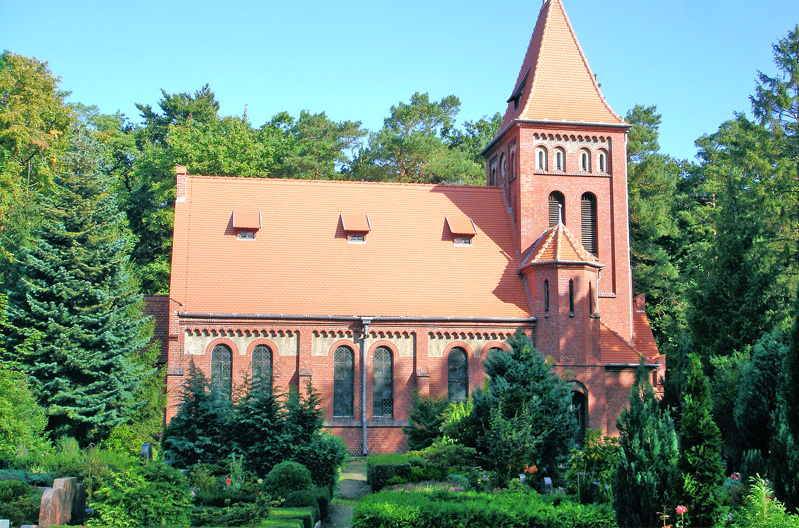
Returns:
<point x="503" y="168"/>
<point x="588" y="210"/>
<point x="557" y="209"/>
<point x="571" y="297"/>
<point x="221" y="370"/>
<point x="585" y="160"/>
<point x="560" y="160"/>
<point x="546" y="296"/>
<point x="541" y="159"/>
<point x="343" y="381"/>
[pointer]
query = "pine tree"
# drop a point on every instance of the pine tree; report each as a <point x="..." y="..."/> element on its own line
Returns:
<point x="261" y="414"/>
<point x="75" y="314"/>
<point x="646" y="476"/>
<point x="700" y="450"/>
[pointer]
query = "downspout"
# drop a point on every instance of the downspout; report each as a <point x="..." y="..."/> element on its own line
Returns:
<point x="365" y="322"/>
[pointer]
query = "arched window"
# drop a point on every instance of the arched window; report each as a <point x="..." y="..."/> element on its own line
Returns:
<point x="546" y="296"/>
<point x="541" y="158"/>
<point x="491" y="352"/>
<point x="262" y="367"/>
<point x="383" y="383"/>
<point x="557" y="209"/>
<point x="588" y="221"/>
<point x="571" y="297"/>
<point x="585" y="160"/>
<point x="560" y="159"/>
<point x="343" y="381"/>
<point x="221" y="370"/>
<point x="457" y="375"/>
<point x="602" y="160"/>
<point x="580" y="406"/>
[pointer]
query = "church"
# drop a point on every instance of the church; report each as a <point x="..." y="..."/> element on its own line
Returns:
<point x="375" y="292"/>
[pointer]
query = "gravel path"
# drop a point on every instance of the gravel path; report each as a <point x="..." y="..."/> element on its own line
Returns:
<point x="351" y="487"/>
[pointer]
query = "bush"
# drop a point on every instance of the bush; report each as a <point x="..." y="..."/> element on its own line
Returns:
<point x="306" y="516"/>
<point x="595" y="462"/>
<point x="286" y="478"/>
<point x="381" y="468"/>
<point x="44" y="480"/>
<point x="19" y="503"/>
<point x="144" y="496"/>
<point x="239" y="514"/>
<point x="762" y="510"/>
<point x="444" y="509"/>
<point x="424" y="422"/>
<point x="323" y="501"/>
<point x="325" y="454"/>
<point x="303" y="499"/>
<point x="442" y="459"/>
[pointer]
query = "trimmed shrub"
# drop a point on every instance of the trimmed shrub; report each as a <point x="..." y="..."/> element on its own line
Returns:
<point x="443" y="509"/>
<point x="382" y="468"/>
<point x="303" y="499"/>
<point x="325" y="454"/>
<point x="305" y="515"/>
<point x="286" y="478"/>
<point x="442" y="459"/>
<point x="240" y="514"/>
<point x="323" y="498"/>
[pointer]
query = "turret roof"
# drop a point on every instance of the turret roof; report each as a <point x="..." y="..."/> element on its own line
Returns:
<point x="559" y="245"/>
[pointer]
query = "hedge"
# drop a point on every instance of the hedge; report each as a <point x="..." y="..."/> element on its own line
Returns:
<point x="381" y="468"/>
<point x="442" y="509"/>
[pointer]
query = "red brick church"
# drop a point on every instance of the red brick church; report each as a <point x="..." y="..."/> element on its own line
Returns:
<point x="377" y="291"/>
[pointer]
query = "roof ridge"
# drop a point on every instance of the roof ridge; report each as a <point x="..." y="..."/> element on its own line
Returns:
<point x="485" y="188"/>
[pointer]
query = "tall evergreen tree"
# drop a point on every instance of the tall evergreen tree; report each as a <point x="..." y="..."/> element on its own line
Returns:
<point x="75" y="314"/>
<point x="647" y="478"/>
<point x="700" y="450"/>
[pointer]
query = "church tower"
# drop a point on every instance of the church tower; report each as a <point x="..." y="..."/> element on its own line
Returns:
<point x="560" y="157"/>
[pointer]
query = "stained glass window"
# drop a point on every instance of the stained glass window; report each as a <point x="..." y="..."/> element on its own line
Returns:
<point x="343" y="381"/>
<point x="262" y="367"/>
<point x="383" y="383"/>
<point x="221" y="370"/>
<point x="457" y="375"/>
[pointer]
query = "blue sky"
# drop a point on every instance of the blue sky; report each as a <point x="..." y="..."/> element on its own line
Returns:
<point x="695" y="59"/>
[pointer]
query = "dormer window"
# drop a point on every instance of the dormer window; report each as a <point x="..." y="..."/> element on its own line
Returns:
<point x="516" y="96"/>
<point x="246" y="224"/>
<point x="356" y="226"/>
<point x="462" y="229"/>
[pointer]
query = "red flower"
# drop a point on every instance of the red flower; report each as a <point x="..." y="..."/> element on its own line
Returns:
<point x="681" y="509"/>
<point x="227" y="481"/>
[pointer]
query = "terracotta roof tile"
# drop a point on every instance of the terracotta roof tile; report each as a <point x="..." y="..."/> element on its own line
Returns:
<point x="357" y="223"/>
<point x="615" y="349"/>
<point x="460" y="225"/>
<point x="558" y="244"/>
<point x="244" y="219"/>
<point x="559" y="83"/>
<point x="302" y="264"/>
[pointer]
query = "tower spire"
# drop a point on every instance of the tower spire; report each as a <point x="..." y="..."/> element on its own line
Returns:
<point x="555" y="82"/>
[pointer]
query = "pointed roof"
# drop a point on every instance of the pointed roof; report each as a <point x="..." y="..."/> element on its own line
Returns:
<point x="555" y="82"/>
<point x="559" y="245"/>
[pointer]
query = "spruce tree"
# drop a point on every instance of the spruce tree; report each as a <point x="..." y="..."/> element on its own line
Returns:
<point x="700" y="450"/>
<point x="646" y="475"/>
<point x="201" y="430"/>
<point x="75" y="314"/>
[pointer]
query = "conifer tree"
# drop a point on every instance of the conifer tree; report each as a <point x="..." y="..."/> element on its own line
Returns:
<point x="200" y="431"/>
<point x="700" y="450"/>
<point x="75" y="314"/>
<point x="646" y="475"/>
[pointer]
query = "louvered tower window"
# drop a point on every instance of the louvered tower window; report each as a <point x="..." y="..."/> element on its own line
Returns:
<point x="457" y="375"/>
<point x="221" y="370"/>
<point x="262" y="368"/>
<point x="588" y="207"/>
<point x="556" y="208"/>
<point x="343" y="381"/>
<point x="383" y="383"/>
